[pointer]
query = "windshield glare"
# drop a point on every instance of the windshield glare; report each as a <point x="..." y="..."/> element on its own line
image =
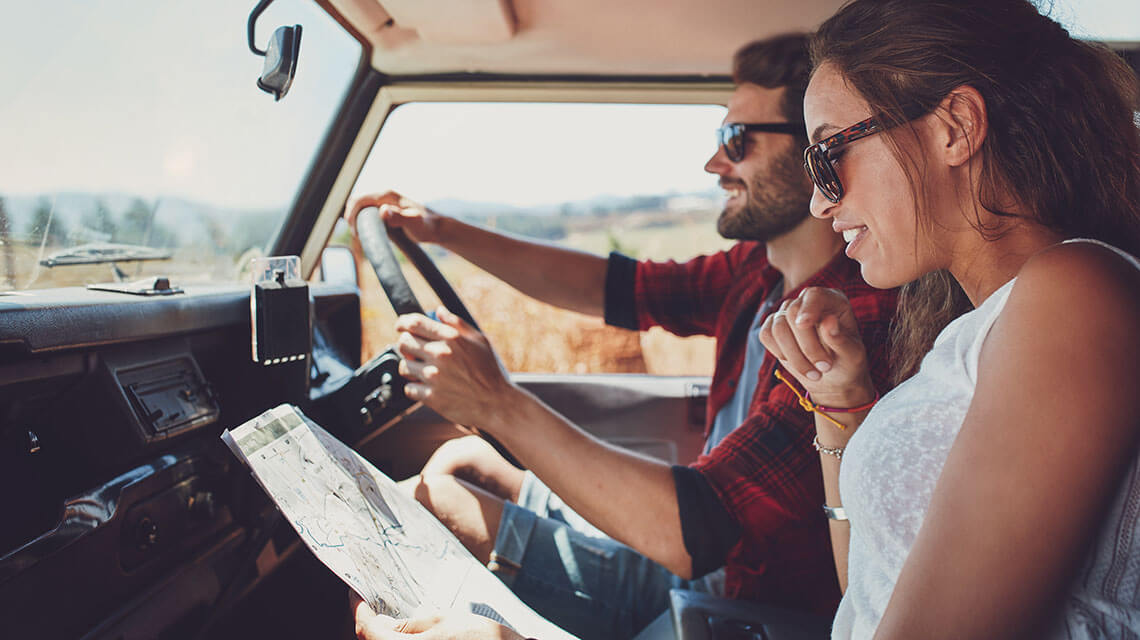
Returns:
<point x="138" y="124"/>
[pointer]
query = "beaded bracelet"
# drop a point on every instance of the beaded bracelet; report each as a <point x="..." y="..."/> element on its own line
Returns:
<point x="811" y="407"/>
<point x="837" y="452"/>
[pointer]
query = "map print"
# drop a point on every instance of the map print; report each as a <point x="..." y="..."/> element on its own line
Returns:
<point x="397" y="556"/>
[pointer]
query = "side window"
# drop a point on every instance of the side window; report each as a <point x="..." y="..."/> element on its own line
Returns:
<point x="596" y="177"/>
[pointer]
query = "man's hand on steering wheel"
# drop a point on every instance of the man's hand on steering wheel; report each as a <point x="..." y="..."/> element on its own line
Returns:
<point x="398" y="212"/>
<point x="437" y="368"/>
<point x="452" y="368"/>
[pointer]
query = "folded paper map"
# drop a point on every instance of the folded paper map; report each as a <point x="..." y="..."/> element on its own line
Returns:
<point x="397" y="556"/>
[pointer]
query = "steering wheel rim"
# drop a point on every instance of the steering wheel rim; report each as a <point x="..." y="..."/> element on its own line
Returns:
<point x="374" y="238"/>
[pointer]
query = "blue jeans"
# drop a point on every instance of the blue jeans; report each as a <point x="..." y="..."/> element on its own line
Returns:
<point x="575" y="575"/>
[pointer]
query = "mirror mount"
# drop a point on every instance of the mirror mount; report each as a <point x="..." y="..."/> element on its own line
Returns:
<point x="280" y="55"/>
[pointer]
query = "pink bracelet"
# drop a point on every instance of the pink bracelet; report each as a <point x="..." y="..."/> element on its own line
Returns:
<point x="811" y="407"/>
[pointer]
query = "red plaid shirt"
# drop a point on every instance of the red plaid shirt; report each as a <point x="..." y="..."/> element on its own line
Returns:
<point x="765" y="472"/>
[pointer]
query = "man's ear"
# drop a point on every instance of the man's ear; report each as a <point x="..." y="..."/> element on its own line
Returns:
<point x="964" y="124"/>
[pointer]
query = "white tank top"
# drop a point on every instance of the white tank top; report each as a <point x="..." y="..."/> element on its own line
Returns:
<point x="893" y="461"/>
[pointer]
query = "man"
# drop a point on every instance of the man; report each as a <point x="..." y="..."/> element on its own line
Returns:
<point x="751" y="504"/>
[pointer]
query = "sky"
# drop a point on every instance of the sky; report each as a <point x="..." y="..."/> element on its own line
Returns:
<point x="164" y="103"/>
<point x="533" y="154"/>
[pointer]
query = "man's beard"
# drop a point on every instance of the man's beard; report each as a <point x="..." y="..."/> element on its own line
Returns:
<point x="774" y="204"/>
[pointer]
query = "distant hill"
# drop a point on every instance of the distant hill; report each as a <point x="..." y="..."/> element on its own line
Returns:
<point x="597" y="205"/>
<point x="87" y="217"/>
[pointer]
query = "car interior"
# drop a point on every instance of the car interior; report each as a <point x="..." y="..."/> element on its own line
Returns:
<point x="123" y="358"/>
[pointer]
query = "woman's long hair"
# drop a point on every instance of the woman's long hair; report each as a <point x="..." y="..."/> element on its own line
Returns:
<point x="1063" y="138"/>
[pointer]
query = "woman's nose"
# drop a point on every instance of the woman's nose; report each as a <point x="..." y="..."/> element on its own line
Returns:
<point x="821" y="207"/>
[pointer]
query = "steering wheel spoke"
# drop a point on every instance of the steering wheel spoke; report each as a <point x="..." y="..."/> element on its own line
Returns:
<point x="377" y="240"/>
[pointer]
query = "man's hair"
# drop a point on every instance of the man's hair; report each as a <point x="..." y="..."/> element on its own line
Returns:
<point x="781" y="61"/>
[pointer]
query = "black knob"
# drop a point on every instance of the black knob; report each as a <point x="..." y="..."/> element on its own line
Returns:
<point x="146" y="533"/>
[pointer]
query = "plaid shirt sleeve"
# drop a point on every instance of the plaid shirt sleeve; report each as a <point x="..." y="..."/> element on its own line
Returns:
<point x="767" y="474"/>
<point x="685" y="298"/>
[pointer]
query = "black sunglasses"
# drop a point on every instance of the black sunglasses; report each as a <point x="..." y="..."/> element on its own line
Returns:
<point x="731" y="136"/>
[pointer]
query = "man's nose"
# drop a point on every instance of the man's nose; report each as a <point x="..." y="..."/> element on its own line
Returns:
<point x="718" y="164"/>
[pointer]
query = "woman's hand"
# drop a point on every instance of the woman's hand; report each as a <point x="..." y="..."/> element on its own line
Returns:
<point x="399" y="212"/>
<point x="816" y="338"/>
<point x="370" y="626"/>
<point x="452" y="368"/>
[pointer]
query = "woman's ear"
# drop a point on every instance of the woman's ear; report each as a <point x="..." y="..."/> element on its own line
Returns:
<point x="964" y="122"/>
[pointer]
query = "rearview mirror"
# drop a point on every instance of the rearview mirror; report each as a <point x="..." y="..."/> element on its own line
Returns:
<point x="280" y="61"/>
<point x="280" y="56"/>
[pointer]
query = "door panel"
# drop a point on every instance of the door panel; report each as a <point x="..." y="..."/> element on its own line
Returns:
<point x="662" y="416"/>
<point x="659" y="416"/>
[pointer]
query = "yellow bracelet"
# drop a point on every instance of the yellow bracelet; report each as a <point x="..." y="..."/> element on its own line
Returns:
<point x="811" y="407"/>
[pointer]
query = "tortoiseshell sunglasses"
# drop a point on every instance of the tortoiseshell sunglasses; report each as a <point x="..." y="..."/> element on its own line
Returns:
<point x="817" y="157"/>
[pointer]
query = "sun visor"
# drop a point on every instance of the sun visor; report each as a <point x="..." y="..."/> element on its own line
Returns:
<point x="454" y="22"/>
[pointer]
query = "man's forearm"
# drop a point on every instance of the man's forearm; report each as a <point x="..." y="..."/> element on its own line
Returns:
<point x="631" y="498"/>
<point x="556" y="275"/>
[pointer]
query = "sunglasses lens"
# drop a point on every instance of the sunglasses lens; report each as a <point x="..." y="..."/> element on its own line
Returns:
<point x="822" y="173"/>
<point x="731" y="139"/>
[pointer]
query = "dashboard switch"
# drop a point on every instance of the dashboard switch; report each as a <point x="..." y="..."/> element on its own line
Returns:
<point x="146" y="534"/>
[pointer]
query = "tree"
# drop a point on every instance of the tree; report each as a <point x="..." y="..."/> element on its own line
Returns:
<point x="45" y="226"/>
<point x="98" y="224"/>
<point x="8" y="280"/>
<point x="137" y="223"/>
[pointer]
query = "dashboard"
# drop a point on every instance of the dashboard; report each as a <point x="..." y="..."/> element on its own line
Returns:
<point x="115" y="489"/>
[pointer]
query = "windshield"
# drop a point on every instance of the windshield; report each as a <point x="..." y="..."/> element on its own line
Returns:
<point x="136" y="143"/>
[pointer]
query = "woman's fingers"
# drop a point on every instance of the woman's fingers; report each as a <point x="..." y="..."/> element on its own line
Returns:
<point x="792" y="343"/>
<point x="804" y="321"/>
<point x="824" y="313"/>
<point x="813" y="334"/>
<point x="845" y="342"/>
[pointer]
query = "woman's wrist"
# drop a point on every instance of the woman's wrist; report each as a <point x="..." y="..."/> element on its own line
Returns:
<point x="827" y="435"/>
<point x="852" y="397"/>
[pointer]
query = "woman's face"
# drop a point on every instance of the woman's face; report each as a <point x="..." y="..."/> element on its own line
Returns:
<point x="876" y="214"/>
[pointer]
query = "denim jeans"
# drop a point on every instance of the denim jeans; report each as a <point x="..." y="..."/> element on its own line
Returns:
<point x="576" y="576"/>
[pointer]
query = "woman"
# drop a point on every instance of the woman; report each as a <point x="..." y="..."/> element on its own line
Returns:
<point x="961" y="143"/>
<point x="997" y="488"/>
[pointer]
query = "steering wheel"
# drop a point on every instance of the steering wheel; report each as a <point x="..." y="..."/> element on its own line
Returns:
<point x="374" y="239"/>
<point x="378" y="250"/>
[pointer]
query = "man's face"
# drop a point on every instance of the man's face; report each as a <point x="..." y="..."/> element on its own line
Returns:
<point x="767" y="192"/>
